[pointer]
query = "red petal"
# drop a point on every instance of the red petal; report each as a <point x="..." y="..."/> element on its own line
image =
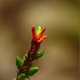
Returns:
<point x="33" y="32"/>
<point x="41" y="39"/>
<point x="41" y="33"/>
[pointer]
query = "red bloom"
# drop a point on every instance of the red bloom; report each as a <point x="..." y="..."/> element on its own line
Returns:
<point x="37" y="37"/>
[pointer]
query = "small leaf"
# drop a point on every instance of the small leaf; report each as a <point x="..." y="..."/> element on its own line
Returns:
<point x="21" y="76"/>
<point x="38" y="30"/>
<point x="24" y="58"/>
<point x="39" y="54"/>
<point x="32" y="71"/>
<point x="18" y="61"/>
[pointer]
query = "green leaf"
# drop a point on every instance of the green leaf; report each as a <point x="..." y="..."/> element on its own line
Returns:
<point x="18" y="61"/>
<point x="32" y="71"/>
<point x="38" y="30"/>
<point x="21" y="76"/>
<point x="39" y="54"/>
<point x="24" y="57"/>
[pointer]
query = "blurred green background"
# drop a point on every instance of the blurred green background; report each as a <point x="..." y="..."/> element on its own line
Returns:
<point x="61" y="20"/>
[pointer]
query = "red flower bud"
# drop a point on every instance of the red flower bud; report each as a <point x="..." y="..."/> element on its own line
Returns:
<point x="37" y="34"/>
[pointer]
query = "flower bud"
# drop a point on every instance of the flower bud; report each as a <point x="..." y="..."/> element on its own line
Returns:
<point x="38" y="30"/>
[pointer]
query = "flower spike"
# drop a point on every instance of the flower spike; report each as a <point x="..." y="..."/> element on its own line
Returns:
<point x="24" y="65"/>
